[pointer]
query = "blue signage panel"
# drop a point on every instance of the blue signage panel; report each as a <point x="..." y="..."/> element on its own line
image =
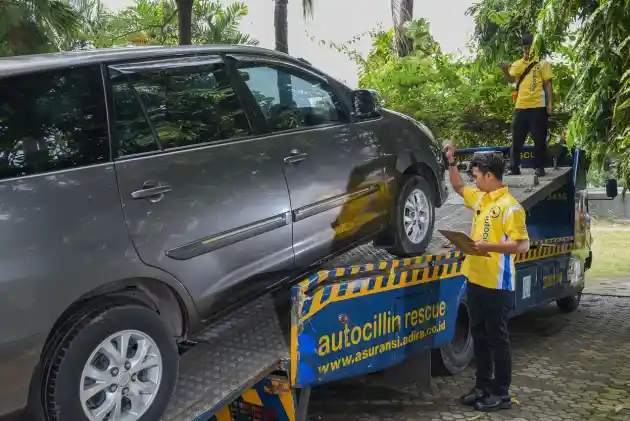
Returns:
<point x="358" y="326"/>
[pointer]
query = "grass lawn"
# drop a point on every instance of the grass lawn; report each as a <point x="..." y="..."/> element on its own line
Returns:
<point x="611" y="250"/>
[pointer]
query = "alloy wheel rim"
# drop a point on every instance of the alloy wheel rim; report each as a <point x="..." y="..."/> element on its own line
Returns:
<point x="416" y="216"/>
<point x="121" y="378"/>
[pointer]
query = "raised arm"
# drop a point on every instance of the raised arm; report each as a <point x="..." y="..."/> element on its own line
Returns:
<point x="453" y="173"/>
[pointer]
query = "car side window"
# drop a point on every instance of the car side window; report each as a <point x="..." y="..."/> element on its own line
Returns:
<point x="291" y="101"/>
<point x="52" y="121"/>
<point x="169" y="108"/>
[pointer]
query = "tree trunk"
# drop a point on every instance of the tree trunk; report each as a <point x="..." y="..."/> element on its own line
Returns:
<point x="184" y="17"/>
<point x="404" y="44"/>
<point x="281" y="25"/>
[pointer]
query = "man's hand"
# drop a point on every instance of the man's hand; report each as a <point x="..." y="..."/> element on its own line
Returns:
<point x="483" y="246"/>
<point x="453" y="173"/>
<point x="449" y="149"/>
<point x="549" y="109"/>
<point x="505" y="69"/>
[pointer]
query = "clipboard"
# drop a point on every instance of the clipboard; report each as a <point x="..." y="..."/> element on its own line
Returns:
<point x="463" y="242"/>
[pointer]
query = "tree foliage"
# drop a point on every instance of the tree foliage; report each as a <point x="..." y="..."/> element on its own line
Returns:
<point x="594" y="38"/>
<point x="465" y="98"/>
<point x="37" y="26"/>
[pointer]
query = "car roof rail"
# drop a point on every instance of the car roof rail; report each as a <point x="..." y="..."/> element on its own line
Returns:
<point x="304" y="61"/>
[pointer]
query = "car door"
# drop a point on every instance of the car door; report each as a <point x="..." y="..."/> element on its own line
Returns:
<point x="335" y="177"/>
<point x="204" y="198"/>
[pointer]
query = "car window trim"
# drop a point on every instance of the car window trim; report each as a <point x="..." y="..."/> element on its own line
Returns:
<point x="201" y="60"/>
<point x="186" y="148"/>
<point x="113" y="146"/>
<point x="293" y="70"/>
<point x="125" y="68"/>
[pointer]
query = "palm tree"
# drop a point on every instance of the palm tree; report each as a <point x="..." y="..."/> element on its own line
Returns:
<point x="402" y="13"/>
<point x="156" y="22"/>
<point x="148" y="22"/>
<point x="214" y="23"/>
<point x="281" y="24"/>
<point x="184" y="16"/>
<point x="35" y="26"/>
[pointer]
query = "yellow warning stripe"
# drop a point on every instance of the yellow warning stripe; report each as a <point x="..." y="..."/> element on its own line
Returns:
<point x="368" y="285"/>
<point x="317" y="278"/>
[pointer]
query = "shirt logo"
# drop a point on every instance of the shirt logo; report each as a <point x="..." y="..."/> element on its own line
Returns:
<point x="495" y="211"/>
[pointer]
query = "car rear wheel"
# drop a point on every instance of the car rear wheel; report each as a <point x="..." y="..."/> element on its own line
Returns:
<point x="113" y="363"/>
<point x="413" y="217"/>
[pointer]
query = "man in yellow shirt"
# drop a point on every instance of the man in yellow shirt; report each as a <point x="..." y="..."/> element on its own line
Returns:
<point x="533" y="105"/>
<point x="498" y="229"/>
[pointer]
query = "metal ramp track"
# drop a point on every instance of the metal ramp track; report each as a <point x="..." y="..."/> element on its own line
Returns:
<point x="232" y="355"/>
<point x="454" y="216"/>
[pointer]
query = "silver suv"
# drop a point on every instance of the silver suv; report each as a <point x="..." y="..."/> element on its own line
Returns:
<point x="144" y="191"/>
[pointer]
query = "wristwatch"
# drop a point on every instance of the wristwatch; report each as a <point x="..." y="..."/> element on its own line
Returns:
<point x="452" y="163"/>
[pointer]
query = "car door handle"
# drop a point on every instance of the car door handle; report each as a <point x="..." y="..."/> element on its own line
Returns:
<point x="149" y="192"/>
<point x="295" y="156"/>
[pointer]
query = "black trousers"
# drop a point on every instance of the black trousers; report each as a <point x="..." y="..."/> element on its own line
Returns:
<point x="489" y="310"/>
<point x="532" y="121"/>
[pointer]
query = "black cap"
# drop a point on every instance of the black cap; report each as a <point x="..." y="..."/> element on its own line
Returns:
<point x="528" y="39"/>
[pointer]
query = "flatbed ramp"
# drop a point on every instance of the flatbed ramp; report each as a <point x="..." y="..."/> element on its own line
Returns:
<point x="230" y="356"/>
<point x="235" y="353"/>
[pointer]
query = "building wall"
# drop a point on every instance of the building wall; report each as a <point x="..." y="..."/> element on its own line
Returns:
<point x="615" y="208"/>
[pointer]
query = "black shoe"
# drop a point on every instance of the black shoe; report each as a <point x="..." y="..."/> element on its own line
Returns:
<point x="493" y="403"/>
<point x="514" y="171"/>
<point x="540" y="172"/>
<point x="471" y="397"/>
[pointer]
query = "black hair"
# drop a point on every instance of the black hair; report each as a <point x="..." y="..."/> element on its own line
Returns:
<point x="528" y="39"/>
<point x="489" y="163"/>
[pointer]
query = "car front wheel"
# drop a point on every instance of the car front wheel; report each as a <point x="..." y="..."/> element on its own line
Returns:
<point x="114" y="363"/>
<point x="413" y="218"/>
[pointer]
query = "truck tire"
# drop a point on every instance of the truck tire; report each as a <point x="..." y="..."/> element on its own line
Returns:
<point x="413" y="217"/>
<point x="570" y="303"/>
<point x="86" y="372"/>
<point x="453" y="357"/>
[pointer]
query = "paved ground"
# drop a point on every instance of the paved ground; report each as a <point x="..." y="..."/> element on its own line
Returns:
<point x="566" y="367"/>
<point x="613" y="287"/>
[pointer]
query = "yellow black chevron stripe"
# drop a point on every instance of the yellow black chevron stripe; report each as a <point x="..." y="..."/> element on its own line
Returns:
<point x="401" y="274"/>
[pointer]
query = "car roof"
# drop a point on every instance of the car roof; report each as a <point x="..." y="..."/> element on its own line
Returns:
<point x="39" y="62"/>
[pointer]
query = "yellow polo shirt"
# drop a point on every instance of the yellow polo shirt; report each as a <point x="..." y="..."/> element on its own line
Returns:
<point x="531" y="93"/>
<point x="498" y="217"/>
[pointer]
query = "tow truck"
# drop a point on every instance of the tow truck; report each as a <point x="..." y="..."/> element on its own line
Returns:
<point x="367" y="311"/>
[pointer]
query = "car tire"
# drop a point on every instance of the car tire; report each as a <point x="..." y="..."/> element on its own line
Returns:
<point x="404" y="245"/>
<point x="570" y="303"/>
<point x="453" y="357"/>
<point x="80" y="350"/>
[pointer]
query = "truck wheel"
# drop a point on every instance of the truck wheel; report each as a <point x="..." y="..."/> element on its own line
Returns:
<point x="570" y="303"/>
<point x="453" y="357"/>
<point x="112" y="362"/>
<point x="413" y="217"/>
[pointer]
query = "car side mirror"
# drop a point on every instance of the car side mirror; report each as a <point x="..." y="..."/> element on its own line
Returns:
<point x="366" y="103"/>
<point x="611" y="188"/>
